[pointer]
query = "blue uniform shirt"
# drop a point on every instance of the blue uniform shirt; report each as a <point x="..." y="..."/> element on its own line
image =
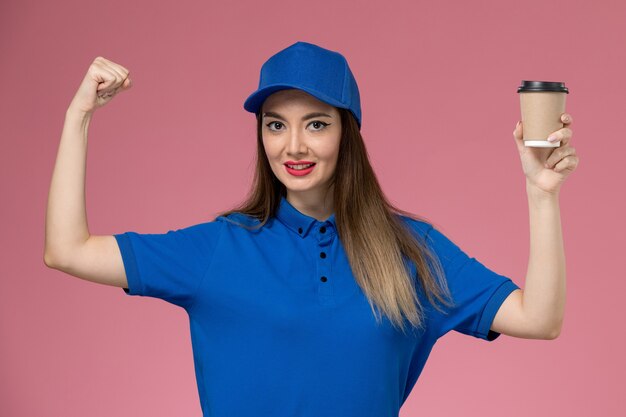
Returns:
<point x="279" y="327"/>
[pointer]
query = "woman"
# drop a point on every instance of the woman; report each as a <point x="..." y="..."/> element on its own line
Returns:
<point x="315" y="296"/>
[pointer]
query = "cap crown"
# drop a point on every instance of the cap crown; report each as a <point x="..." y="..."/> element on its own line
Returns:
<point x="320" y="72"/>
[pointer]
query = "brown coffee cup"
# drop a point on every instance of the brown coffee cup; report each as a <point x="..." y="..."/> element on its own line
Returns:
<point x="542" y="104"/>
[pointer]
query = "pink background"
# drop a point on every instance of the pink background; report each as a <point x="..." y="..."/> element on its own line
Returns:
<point x="438" y="88"/>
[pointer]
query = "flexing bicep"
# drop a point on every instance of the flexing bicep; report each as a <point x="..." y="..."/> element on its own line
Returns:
<point x="97" y="260"/>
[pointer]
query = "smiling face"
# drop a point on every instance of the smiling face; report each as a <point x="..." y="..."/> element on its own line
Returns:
<point x="297" y="128"/>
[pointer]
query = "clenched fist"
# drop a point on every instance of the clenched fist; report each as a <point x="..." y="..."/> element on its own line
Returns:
<point x="104" y="79"/>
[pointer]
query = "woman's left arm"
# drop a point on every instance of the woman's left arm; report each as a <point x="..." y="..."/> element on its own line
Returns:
<point x="537" y="311"/>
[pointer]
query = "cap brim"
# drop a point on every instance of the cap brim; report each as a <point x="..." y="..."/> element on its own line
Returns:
<point x="255" y="100"/>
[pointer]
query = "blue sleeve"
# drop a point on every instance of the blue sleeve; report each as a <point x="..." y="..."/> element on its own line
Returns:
<point x="169" y="266"/>
<point x="477" y="291"/>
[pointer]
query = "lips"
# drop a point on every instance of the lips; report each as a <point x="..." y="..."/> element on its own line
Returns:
<point x="292" y="163"/>
<point x="299" y="170"/>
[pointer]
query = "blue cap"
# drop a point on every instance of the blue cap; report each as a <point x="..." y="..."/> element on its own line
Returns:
<point x="323" y="73"/>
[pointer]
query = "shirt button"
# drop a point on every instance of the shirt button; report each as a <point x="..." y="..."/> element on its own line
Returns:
<point x="300" y="230"/>
<point x="322" y="229"/>
<point x="323" y="279"/>
<point x="322" y="255"/>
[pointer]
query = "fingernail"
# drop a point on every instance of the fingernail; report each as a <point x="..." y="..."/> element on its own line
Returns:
<point x="551" y="138"/>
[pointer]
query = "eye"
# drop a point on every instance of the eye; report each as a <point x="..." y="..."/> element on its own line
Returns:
<point x="319" y="122"/>
<point x="271" y="123"/>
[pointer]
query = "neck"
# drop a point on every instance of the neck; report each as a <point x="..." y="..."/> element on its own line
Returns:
<point x="318" y="206"/>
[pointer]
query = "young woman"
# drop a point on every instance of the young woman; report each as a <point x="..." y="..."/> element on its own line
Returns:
<point x="315" y="296"/>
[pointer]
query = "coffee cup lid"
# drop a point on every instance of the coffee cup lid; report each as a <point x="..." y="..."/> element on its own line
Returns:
<point x="536" y="86"/>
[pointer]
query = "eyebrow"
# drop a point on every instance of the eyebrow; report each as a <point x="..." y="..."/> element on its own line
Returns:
<point x="305" y="117"/>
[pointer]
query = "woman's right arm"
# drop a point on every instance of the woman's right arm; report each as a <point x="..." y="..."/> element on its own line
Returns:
<point x="68" y="245"/>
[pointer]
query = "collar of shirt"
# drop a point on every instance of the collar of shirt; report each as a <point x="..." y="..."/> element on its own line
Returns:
<point x="302" y="224"/>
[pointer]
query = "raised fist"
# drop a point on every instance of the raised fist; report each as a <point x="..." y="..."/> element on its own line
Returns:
<point x="104" y="79"/>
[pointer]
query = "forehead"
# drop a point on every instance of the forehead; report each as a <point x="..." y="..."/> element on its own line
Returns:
<point x="293" y="98"/>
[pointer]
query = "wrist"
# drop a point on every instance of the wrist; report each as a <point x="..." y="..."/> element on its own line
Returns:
<point x="537" y="193"/>
<point x="77" y="114"/>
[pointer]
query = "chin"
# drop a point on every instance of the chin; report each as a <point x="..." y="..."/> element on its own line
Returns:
<point x="307" y="187"/>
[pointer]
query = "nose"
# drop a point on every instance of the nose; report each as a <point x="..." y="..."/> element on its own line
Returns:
<point x="296" y="143"/>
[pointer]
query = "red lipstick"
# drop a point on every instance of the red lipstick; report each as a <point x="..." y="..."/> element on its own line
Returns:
<point x="299" y="172"/>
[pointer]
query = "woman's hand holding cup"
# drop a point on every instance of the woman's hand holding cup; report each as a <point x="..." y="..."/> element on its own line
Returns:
<point x="547" y="168"/>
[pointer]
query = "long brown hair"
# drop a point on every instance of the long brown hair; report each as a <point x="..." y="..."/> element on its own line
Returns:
<point x="374" y="237"/>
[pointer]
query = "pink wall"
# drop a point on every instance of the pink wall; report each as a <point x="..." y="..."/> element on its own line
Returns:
<point x="438" y="88"/>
